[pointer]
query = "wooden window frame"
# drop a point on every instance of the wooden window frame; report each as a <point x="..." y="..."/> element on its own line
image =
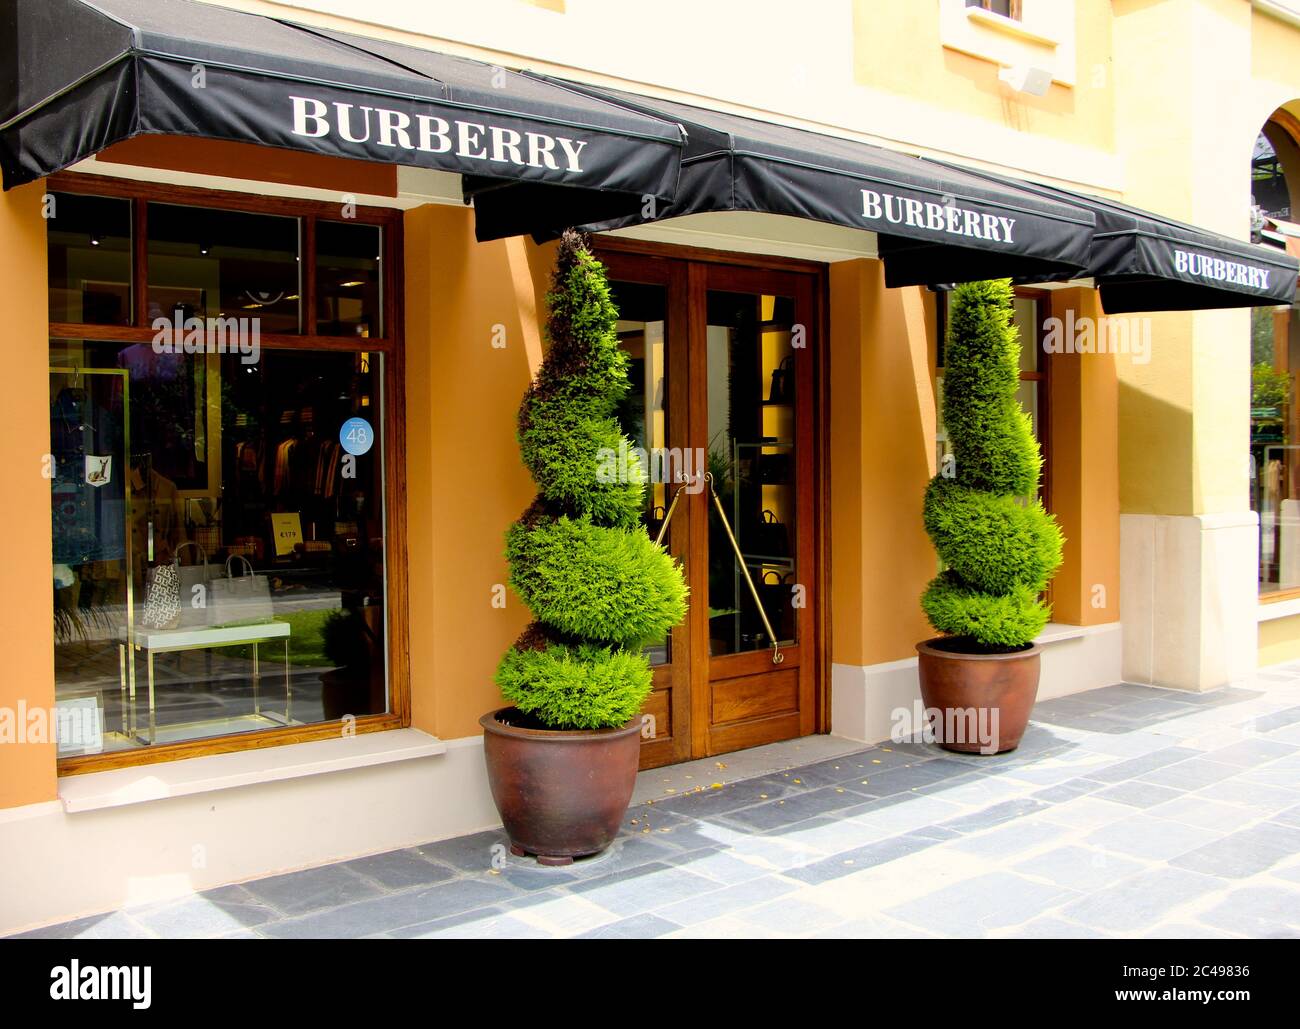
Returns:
<point x="390" y="344"/>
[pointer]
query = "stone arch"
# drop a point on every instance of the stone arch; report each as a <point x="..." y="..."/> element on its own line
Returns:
<point x="1282" y="130"/>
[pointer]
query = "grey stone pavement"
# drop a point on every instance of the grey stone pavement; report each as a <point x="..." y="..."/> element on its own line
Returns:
<point x="1126" y="812"/>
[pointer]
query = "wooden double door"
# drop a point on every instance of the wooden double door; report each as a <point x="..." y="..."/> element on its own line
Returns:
<point x="724" y="362"/>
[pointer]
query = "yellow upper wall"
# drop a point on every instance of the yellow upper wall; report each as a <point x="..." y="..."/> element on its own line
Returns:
<point x="900" y="48"/>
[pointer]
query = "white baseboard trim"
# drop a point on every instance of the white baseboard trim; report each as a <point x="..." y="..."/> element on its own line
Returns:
<point x="864" y="699"/>
<point x="68" y="865"/>
<point x="140" y="784"/>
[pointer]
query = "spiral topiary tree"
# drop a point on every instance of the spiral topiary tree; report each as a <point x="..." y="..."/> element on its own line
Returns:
<point x="597" y="585"/>
<point x="998" y="551"/>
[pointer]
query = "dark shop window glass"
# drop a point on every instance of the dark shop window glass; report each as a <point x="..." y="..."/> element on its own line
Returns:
<point x="1269" y="190"/>
<point x="1275" y="445"/>
<point x="752" y="457"/>
<point x="1031" y="394"/>
<point x="643" y="414"/>
<point x="208" y="263"/>
<point x="349" y="299"/>
<point x="253" y="599"/>
<point x="89" y="259"/>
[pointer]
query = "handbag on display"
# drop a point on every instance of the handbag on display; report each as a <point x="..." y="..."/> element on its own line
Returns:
<point x="782" y="391"/>
<point x="190" y="576"/>
<point x="770" y="536"/>
<point x="240" y="598"/>
<point x="774" y="469"/>
<point x="162" y="597"/>
<point x="655" y="522"/>
<point x="775" y="592"/>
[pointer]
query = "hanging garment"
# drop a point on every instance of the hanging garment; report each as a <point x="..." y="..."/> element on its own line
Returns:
<point x="283" y="457"/>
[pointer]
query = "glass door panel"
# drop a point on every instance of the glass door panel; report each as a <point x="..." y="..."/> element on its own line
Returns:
<point x="751" y="454"/>
<point x="643" y="414"/>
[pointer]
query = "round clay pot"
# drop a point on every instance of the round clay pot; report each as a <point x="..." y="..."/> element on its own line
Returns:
<point x="985" y="699"/>
<point x="561" y="793"/>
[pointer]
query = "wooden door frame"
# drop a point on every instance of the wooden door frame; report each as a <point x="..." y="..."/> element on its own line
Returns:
<point x="628" y="255"/>
<point x="671" y="275"/>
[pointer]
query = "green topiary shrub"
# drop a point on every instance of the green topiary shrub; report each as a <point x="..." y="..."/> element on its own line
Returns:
<point x="999" y="551"/>
<point x="598" y="587"/>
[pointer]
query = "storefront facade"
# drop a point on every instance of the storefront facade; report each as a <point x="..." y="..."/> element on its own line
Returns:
<point x="765" y="348"/>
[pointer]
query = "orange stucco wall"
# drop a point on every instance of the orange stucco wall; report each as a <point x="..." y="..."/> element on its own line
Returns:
<point x="1084" y="409"/>
<point x="882" y="454"/>
<point x="883" y="421"/>
<point x="465" y="481"/>
<point x="26" y="769"/>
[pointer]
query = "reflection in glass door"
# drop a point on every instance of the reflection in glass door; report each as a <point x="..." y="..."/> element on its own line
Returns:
<point x="751" y="424"/>
<point x="758" y="684"/>
<point x="643" y="414"/>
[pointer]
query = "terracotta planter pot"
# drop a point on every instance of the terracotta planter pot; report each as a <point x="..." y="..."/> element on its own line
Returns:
<point x="984" y="699"/>
<point x="561" y="794"/>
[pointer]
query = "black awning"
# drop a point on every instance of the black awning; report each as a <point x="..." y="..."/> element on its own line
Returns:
<point x="79" y="76"/>
<point x="1144" y="262"/>
<point x="934" y="223"/>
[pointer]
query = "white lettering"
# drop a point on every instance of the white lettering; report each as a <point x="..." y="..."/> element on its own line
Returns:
<point x="344" y="122"/>
<point x="302" y="115"/>
<point x="393" y="126"/>
<point x="434" y="138"/>
<point x="871" y="204"/>
<point x="467" y="137"/>
<point x="541" y="151"/>
<point x="503" y="140"/>
<point x="572" y="149"/>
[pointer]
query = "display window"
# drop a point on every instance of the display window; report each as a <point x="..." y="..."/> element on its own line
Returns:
<point x="1274" y="462"/>
<point x="1028" y="316"/>
<point x="222" y="446"/>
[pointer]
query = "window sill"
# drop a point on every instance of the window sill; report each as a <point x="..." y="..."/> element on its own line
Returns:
<point x="1009" y="26"/>
<point x="1283" y="607"/>
<point x="96" y="791"/>
<point x="1055" y="632"/>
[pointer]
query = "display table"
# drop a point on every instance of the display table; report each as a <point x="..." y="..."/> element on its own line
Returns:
<point x="171" y="641"/>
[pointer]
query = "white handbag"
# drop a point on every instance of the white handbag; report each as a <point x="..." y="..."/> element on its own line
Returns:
<point x="240" y="598"/>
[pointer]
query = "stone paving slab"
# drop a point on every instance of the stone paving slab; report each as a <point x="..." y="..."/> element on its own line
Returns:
<point x="1128" y="811"/>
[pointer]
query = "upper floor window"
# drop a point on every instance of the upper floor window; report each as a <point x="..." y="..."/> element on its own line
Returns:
<point x="1006" y="8"/>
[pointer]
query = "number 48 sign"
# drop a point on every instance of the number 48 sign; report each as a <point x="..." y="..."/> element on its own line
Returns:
<point x="356" y="436"/>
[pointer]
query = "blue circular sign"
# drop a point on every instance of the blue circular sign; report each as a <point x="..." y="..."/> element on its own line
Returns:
<point x="356" y="436"/>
